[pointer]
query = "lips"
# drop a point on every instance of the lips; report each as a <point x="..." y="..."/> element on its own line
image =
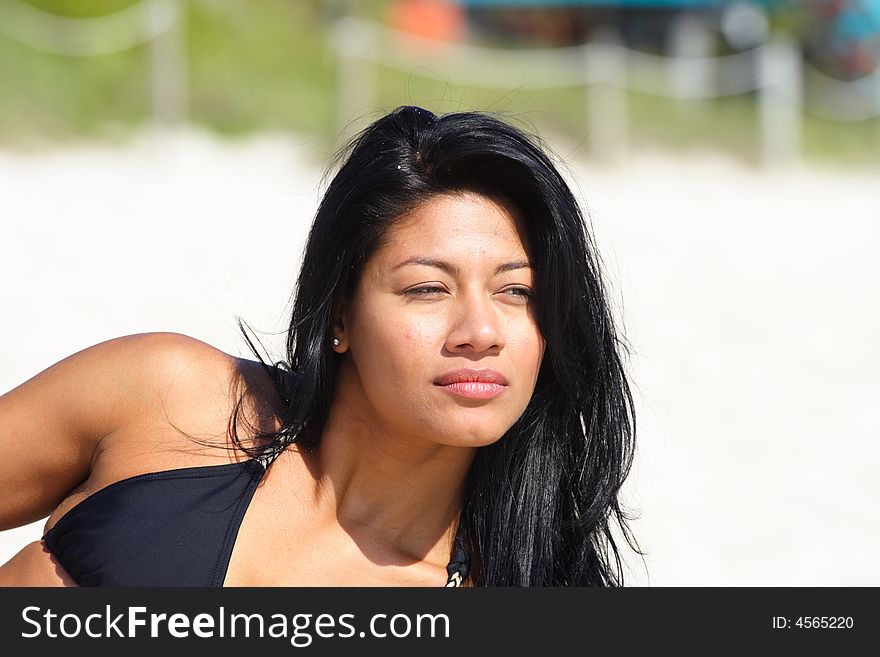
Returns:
<point x="473" y="384"/>
<point x="471" y="376"/>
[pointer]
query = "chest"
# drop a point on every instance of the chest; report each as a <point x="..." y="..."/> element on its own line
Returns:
<point x="222" y="525"/>
<point x="283" y="541"/>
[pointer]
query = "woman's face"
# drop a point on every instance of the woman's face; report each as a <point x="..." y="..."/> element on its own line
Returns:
<point x="440" y="340"/>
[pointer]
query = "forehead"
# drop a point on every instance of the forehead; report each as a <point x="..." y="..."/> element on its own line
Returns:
<point x="460" y="225"/>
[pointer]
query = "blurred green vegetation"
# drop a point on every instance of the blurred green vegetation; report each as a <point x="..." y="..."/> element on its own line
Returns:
<point x="248" y="68"/>
<point x="82" y="8"/>
<point x="271" y="65"/>
<point x="266" y="67"/>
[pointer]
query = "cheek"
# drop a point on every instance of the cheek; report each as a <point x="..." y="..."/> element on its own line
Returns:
<point x="529" y="346"/>
<point x="405" y="335"/>
<point x="397" y="358"/>
<point x="402" y="346"/>
<point x="412" y="335"/>
<point x="416" y="348"/>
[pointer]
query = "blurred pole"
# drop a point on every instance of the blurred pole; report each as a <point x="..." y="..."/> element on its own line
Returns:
<point x="781" y="99"/>
<point x="607" y="112"/>
<point x="690" y="69"/>
<point x="872" y="92"/>
<point x="353" y="43"/>
<point x="168" y="76"/>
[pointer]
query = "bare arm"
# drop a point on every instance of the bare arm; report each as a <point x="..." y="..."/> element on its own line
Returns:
<point x="51" y="426"/>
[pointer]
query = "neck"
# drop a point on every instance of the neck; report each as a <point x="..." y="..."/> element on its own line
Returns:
<point x="398" y="490"/>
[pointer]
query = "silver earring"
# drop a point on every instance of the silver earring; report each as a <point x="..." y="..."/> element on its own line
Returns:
<point x="335" y="342"/>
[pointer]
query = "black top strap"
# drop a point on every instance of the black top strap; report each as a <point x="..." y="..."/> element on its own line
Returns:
<point x="460" y="565"/>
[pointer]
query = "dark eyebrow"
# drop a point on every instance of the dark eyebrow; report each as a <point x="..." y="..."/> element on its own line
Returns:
<point x="510" y="266"/>
<point x="452" y="270"/>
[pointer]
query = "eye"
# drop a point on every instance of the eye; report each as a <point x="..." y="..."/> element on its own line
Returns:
<point x="520" y="294"/>
<point x="425" y="291"/>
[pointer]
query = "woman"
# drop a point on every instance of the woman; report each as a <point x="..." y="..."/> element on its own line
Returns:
<point x="453" y="407"/>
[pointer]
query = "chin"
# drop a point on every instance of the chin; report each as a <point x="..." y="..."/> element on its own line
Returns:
<point x="469" y="442"/>
<point x="471" y="434"/>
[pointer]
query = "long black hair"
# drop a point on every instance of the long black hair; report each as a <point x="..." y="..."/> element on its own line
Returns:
<point x="540" y="503"/>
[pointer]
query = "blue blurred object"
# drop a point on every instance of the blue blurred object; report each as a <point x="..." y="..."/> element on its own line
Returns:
<point x="642" y="24"/>
<point x="844" y="37"/>
<point x="858" y="21"/>
<point x="840" y="37"/>
<point x="642" y="4"/>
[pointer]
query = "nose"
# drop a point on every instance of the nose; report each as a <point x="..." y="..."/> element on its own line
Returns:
<point x="475" y="326"/>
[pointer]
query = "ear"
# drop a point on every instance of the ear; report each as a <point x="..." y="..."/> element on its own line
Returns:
<point x="339" y="329"/>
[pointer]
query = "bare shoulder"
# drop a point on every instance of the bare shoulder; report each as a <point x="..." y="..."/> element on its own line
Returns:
<point x="169" y="373"/>
<point x="122" y="407"/>
<point x="169" y="366"/>
<point x="196" y="388"/>
<point x="164" y="356"/>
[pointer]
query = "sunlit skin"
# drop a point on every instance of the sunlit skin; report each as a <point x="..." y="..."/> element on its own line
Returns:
<point x="451" y="287"/>
<point x="378" y="501"/>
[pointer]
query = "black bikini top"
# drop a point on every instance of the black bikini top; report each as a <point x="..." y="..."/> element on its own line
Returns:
<point x="171" y="528"/>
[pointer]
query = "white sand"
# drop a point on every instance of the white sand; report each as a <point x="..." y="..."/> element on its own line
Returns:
<point x="750" y="300"/>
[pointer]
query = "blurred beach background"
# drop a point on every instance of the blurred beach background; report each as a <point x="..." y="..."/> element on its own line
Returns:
<point x="160" y="162"/>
